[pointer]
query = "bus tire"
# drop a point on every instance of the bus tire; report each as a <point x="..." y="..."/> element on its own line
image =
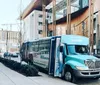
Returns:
<point x="68" y="75"/>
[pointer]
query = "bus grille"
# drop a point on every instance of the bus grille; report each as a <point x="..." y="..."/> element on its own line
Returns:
<point x="93" y="64"/>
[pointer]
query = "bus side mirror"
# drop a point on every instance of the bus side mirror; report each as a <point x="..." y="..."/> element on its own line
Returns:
<point x="61" y="48"/>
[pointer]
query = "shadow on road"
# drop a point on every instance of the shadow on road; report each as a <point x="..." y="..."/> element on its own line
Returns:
<point x="88" y="82"/>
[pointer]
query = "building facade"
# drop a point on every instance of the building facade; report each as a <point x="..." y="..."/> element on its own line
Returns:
<point x="9" y="41"/>
<point x="33" y="25"/>
<point x="80" y="23"/>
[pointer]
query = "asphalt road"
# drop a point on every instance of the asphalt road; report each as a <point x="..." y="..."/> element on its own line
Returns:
<point x="88" y="82"/>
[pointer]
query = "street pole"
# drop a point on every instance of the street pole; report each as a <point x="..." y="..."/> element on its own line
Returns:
<point x="68" y="29"/>
<point x="7" y="41"/>
<point x="91" y="11"/>
<point x="83" y="28"/>
<point x="44" y="18"/>
<point x="20" y="35"/>
<point x="54" y="17"/>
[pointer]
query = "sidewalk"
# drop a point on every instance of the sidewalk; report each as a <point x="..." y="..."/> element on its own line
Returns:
<point x="10" y="77"/>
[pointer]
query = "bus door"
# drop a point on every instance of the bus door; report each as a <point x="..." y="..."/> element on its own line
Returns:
<point x="58" y="58"/>
<point x="52" y="57"/>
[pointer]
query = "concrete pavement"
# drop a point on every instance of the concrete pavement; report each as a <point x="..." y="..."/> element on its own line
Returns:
<point x="10" y="77"/>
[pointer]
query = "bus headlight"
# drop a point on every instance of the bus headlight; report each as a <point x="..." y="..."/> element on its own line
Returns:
<point x="81" y="68"/>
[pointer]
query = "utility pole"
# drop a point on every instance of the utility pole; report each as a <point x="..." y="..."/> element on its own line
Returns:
<point x="83" y="28"/>
<point x="91" y="29"/>
<point x="6" y="41"/>
<point x="20" y="34"/>
<point x="68" y="29"/>
<point x="44" y="18"/>
<point x="54" y="17"/>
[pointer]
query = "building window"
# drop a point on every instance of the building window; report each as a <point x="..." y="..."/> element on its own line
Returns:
<point x="83" y="3"/>
<point x="32" y="15"/>
<point x="50" y="17"/>
<point x="98" y="51"/>
<point x="50" y="33"/>
<point x="47" y="16"/>
<point x="94" y="24"/>
<point x="94" y="36"/>
<point x="40" y="31"/>
<point x="64" y="12"/>
<point x="40" y="15"/>
<point x="40" y="23"/>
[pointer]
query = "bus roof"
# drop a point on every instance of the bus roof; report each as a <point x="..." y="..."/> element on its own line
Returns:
<point x="46" y="38"/>
<point x="67" y="39"/>
<point x="74" y="40"/>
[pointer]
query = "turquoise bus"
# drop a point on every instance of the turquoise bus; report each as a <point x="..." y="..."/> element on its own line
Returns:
<point x="62" y="56"/>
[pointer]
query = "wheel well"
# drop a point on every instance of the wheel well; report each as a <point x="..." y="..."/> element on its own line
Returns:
<point x="67" y="67"/>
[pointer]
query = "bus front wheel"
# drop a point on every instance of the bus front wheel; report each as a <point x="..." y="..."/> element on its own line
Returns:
<point x="69" y="76"/>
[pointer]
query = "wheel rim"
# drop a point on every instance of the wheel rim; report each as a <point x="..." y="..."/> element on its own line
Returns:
<point x="68" y="76"/>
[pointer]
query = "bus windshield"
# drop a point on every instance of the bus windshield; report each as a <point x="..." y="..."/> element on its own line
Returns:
<point x="77" y="49"/>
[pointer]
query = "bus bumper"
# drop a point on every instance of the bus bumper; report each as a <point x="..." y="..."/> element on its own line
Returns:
<point x="87" y="74"/>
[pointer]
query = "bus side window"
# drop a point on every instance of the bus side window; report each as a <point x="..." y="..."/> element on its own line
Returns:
<point x="61" y="48"/>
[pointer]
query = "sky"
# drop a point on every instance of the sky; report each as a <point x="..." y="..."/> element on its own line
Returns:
<point x="9" y="13"/>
